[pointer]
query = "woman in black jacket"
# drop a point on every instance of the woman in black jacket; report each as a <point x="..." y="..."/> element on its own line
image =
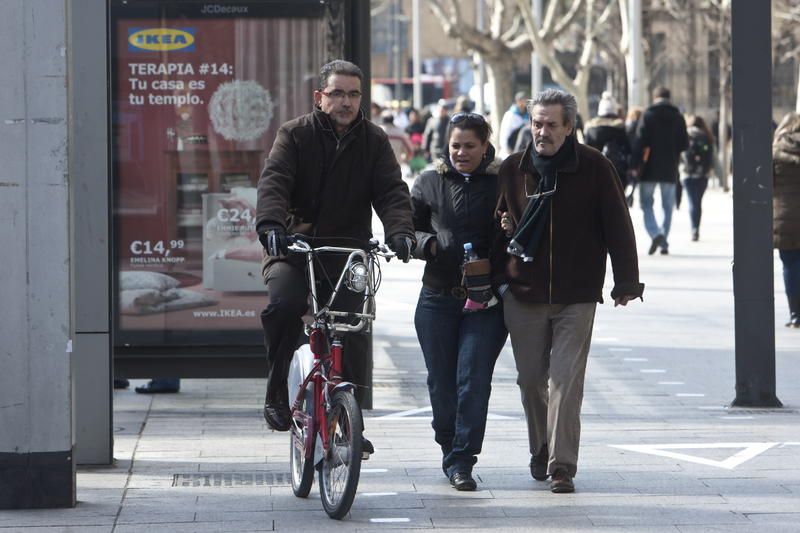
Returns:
<point x="453" y="205"/>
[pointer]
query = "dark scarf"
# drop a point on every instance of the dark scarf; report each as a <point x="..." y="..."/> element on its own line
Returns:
<point x="534" y="219"/>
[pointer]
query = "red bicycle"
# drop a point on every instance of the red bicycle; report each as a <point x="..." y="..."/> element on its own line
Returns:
<point x="327" y="427"/>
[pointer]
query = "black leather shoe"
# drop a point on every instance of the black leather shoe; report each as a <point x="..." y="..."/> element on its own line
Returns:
<point x="367" y="449"/>
<point x="121" y="383"/>
<point x="561" y="482"/>
<point x="538" y="465"/>
<point x="463" y="481"/>
<point x="278" y="416"/>
<point x="658" y="241"/>
<point x="155" y="386"/>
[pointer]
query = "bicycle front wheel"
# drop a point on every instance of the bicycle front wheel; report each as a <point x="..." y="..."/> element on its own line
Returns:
<point x="341" y="466"/>
<point x="300" y="441"/>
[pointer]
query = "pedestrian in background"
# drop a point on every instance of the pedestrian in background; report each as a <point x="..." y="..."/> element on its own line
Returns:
<point x="514" y="120"/>
<point x="453" y="204"/>
<point x="697" y="162"/>
<point x="563" y="206"/>
<point x="660" y="138"/>
<point x="606" y="133"/>
<point x="401" y="144"/>
<point x="786" y="208"/>
<point x="435" y="135"/>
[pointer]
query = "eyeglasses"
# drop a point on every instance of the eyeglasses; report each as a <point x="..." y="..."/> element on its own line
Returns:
<point x="338" y="94"/>
<point x="537" y="194"/>
<point x="458" y="118"/>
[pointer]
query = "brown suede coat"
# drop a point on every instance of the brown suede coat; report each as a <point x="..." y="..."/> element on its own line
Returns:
<point x="323" y="186"/>
<point x="786" y="196"/>
<point x="588" y="220"/>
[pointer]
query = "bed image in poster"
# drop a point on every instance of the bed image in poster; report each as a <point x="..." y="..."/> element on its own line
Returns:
<point x="232" y="253"/>
<point x="197" y="105"/>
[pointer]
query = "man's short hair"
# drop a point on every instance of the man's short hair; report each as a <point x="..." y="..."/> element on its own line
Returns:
<point x="661" y="92"/>
<point x="556" y="97"/>
<point x="520" y="95"/>
<point x="338" y="66"/>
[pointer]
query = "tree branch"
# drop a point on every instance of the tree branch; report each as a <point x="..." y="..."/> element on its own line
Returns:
<point x="565" y="21"/>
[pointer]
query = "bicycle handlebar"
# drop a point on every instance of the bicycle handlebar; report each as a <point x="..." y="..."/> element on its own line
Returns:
<point x="299" y="243"/>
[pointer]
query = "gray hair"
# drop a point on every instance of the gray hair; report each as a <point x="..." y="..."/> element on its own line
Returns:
<point x="338" y="66"/>
<point x="556" y="97"/>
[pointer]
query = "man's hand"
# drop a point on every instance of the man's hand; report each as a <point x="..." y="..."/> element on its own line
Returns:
<point x="623" y="300"/>
<point x="402" y="245"/>
<point x="274" y="241"/>
<point x="506" y="223"/>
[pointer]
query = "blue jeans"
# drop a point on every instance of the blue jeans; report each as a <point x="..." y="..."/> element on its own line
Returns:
<point x="791" y="278"/>
<point x="460" y="351"/>
<point x="646" y="191"/>
<point x="695" y="188"/>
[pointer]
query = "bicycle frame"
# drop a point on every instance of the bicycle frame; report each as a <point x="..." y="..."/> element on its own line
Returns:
<point x="325" y="374"/>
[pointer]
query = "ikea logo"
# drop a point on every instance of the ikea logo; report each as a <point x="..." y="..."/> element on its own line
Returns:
<point x="161" y="39"/>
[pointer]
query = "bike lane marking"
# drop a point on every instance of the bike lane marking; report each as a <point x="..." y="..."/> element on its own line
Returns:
<point x="749" y="450"/>
<point x="409" y="414"/>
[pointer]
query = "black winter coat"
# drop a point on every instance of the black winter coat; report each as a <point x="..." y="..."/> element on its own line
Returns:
<point x="662" y="130"/>
<point x="604" y="130"/>
<point x="454" y="209"/>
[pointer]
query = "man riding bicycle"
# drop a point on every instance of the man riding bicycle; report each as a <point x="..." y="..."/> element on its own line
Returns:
<point x="325" y="173"/>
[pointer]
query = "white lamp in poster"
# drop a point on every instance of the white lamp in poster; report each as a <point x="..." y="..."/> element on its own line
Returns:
<point x="240" y="110"/>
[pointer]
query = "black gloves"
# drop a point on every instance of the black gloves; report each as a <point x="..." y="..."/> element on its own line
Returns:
<point x="402" y="245"/>
<point x="273" y="239"/>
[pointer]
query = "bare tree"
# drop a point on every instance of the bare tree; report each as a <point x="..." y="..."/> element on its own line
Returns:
<point x="543" y="40"/>
<point x="513" y="31"/>
<point x="786" y="37"/>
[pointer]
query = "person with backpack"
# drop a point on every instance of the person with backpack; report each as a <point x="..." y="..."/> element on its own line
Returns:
<point x="606" y="133"/>
<point x="696" y="163"/>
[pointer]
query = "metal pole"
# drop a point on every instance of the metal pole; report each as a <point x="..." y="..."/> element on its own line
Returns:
<point x="636" y="55"/>
<point x="536" y="64"/>
<point x="753" y="284"/>
<point x="398" y="68"/>
<point x="417" y="65"/>
<point x="480" y="105"/>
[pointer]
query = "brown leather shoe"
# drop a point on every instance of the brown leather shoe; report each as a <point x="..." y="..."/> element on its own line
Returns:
<point x="561" y="482"/>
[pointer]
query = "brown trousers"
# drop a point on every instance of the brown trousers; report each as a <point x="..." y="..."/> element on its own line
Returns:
<point x="551" y="344"/>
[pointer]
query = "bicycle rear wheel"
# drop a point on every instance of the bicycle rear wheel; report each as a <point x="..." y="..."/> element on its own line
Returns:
<point x="341" y="467"/>
<point x="299" y="441"/>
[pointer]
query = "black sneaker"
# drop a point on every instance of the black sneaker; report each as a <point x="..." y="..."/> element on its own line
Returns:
<point x="367" y="449"/>
<point x="658" y="241"/>
<point x="538" y="464"/>
<point x="561" y="482"/>
<point x="278" y="416"/>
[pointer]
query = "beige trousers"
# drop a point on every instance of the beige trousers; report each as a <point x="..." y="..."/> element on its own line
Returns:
<point x="551" y="345"/>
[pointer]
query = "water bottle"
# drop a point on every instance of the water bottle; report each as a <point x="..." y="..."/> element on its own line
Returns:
<point x="469" y="253"/>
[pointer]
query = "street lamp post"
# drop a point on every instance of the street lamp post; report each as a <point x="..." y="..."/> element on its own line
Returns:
<point x="536" y="63"/>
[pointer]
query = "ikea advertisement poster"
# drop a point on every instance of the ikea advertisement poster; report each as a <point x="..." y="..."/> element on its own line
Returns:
<point x="197" y="101"/>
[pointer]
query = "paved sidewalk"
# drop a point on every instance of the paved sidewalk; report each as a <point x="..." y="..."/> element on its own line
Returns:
<point x="660" y="449"/>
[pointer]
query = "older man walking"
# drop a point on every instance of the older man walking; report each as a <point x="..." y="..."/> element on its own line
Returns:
<point x="563" y="209"/>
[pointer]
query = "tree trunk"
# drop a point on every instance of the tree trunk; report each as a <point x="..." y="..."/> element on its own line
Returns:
<point x="500" y="74"/>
